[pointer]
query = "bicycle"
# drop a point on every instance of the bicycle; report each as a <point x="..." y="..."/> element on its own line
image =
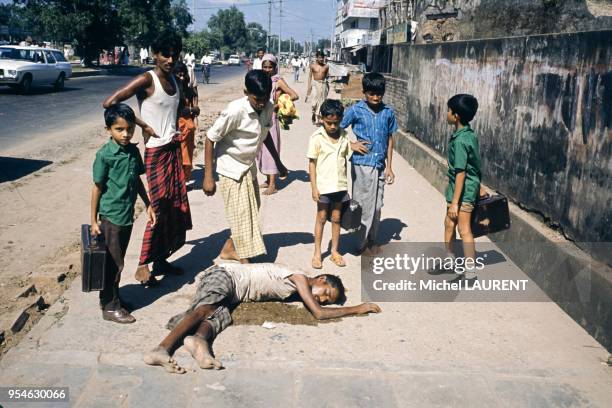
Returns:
<point x="206" y="73"/>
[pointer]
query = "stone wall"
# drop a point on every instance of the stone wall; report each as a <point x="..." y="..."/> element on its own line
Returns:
<point x="544" y="121"/>
<point x="446" y="20"/>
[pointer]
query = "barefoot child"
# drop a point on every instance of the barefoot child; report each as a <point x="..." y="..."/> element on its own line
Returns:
<point x="328" y="151"/>
<point x="317" y="77"/>
<point x="463" y="176"/>
<point x="116" y="176"/>
<point x="235" y="139"/>
<point x="223" y="286"/>
<point x="188" y="112"/>
<point x="373" y="123"/>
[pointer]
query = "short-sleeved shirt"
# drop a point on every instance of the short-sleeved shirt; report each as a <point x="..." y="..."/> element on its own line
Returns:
<point x="238" y="133"/>
<point x="117" y="170"/>
<point x="373" y="127"/>
<point x="260" y="282"/>
<point x="464" y="155"/>
<point x="331" y="160"/>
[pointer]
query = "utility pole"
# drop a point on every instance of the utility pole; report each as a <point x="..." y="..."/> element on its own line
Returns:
<point x="194" y="15"/>
<point x="269" y="26"/>
<point x="280" y="28"/>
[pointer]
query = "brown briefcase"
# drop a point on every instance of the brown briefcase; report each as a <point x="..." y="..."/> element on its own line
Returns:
<point x="491" y="214"/>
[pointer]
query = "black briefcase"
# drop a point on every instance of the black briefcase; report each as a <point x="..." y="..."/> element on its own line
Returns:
<point x="491" y="214"/>
<point x="351" y="216"/>
<point x="93" y="260"/>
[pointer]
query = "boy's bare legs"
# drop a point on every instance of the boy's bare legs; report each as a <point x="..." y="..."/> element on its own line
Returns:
<point x="160" y="355"/>
<point x="200" y="347"/>
<point x="449" y="234"/>
<point x="335" y="217"/>
<point x="467" y="238"/>
<point x="320" y="220"/>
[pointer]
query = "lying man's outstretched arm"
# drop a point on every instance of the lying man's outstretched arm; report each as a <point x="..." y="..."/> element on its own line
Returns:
<point x="304" y="289"/>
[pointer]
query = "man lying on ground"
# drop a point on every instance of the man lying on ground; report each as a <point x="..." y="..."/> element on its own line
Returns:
<point x="226" y="285"/>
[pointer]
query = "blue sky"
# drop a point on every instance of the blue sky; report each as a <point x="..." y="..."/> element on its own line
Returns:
<point x="299" y="16"/>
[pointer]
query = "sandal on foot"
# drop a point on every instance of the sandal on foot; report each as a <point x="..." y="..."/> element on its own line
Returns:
<point x="152" y="282"/>
<point x="337" y="260"/>
<point x="316" y="263"/>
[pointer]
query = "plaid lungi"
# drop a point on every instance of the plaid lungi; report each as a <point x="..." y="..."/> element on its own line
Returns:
<point x="241" y="200"/>
<point x="216" y="287"/>
<point x="168" y="196"/>
<point x="321" y="91"/>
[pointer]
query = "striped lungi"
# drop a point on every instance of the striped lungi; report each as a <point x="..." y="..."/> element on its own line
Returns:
<point x="241" y="199"/>
<point x="168" y="196"/>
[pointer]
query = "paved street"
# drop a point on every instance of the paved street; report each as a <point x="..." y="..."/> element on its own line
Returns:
<point x="30" y="118"/>
<point x="411" y="354"/>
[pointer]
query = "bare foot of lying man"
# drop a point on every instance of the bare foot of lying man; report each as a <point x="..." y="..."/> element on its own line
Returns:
<point x="201" y="352"/>
<point x="160" y="357"/>
<point x="222" y="286"/>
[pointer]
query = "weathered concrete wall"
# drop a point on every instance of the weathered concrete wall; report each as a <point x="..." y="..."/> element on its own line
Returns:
<point x="544" y="122"/>
<point x="469" y="19"/>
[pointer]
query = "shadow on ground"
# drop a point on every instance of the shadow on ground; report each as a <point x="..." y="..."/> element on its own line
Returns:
<point x="13" y="168"/>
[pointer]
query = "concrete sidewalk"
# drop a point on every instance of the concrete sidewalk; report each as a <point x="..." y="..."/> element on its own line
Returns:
<point x="412" y="354"/>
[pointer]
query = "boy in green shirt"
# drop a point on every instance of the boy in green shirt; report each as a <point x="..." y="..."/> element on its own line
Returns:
<point x="463" y="175"/>
<point x="116" y="175"/>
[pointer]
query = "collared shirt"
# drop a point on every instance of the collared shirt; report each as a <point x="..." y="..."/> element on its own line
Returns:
<point x="257" y="63"/>
<point x="464" y="155"/>
<point x="331" y="160"/>
<point x="117" y="169"/>
<point x="238" y="134"/>
<point x="373" y="127"/>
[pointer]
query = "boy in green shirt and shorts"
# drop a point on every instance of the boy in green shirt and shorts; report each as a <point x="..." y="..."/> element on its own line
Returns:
<point x="463" y="176"/>
<point x="116" y="175"/>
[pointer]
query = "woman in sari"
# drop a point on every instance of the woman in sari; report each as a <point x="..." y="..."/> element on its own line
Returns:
<point x="268" y="159"/>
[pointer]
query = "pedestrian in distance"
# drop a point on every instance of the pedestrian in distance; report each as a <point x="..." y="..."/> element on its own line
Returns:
<point x="296" y="65"/>
<point x="116" y="176"/>
<point x="373" y="123"/>
<point x="268" y="158"/>
<point x="258" y="61"/>
<point x="221" y="287"/>
<point x="234" y="140"/>
<point x="158" y="96"/>
<point x="464" y="177"/>
<point x="317" y="79"/>
<point x="328" y="151"/>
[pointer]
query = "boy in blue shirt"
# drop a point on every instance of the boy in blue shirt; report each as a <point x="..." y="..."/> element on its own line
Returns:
<point x="116" y="177"/>
<point x="373" y="123"/>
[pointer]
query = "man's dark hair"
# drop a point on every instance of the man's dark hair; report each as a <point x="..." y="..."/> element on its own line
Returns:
<point x="374" y="83"/>
<point x="166" y="41"/>
<point x="332" y="107"/>
<point x="258" y="83"/>
<point x="336" y="283"/>
<point x="465" y="106"/>
<point x="320" y="53"/>
<point x="261" y="49"/>
<point x="119" y="110"/>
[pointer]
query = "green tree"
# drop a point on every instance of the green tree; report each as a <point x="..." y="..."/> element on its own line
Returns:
<point x="256" y="37"/>
<point x="228" y="30"/>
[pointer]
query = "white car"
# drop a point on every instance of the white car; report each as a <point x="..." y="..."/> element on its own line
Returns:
<point x="233" y="60"/>
<point x="24" y="67"/>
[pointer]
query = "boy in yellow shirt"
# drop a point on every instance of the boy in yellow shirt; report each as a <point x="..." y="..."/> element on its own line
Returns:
<point x="328" y="151"/>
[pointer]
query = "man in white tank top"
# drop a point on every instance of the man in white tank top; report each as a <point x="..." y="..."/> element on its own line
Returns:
<point x="229" y="284"/>
<point x="158" y="97"/>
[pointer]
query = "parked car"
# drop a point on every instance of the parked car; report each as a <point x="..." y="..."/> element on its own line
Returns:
<point x="233" y="60"/>
<point x="25" y="67"/>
